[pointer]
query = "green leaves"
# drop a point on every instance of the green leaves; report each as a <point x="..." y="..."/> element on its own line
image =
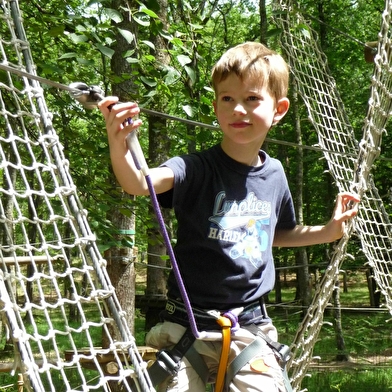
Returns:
<point x="127" y="35"/>
<point x="183" y="59"/>
<point x="78" y="38"/>
<point x="104" y="50"/>
<point x="113" y="15"/>
<point x="188" y="110"/>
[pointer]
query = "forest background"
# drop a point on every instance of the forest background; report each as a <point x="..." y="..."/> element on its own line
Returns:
<point x="160" y="53"/>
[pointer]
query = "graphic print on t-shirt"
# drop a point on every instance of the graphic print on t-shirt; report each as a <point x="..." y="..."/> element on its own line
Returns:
<point x="242" y="223"/>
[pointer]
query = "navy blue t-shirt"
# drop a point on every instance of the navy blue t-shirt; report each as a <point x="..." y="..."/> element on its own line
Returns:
<point x="227" y="215"/>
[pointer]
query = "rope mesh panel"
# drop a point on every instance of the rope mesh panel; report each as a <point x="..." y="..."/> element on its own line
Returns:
<point x="350" y="164"/>
<point x="47" y="245"/>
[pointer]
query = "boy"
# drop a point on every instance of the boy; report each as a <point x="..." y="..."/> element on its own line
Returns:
<point x="233" y="204"/>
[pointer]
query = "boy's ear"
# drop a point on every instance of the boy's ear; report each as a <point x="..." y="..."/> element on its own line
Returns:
<point x="282" y="107"/>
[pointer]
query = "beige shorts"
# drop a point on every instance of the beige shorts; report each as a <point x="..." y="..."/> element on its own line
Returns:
<point x="261" y="374"/>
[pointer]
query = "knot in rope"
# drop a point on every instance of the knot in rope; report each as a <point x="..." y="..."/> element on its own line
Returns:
<point x="233" y="319"/>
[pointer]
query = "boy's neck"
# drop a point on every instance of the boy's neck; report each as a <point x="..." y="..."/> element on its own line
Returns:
<point x="243" y="153"/>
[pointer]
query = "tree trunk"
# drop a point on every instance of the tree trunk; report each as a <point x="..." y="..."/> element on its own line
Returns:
<point x="263" y="22"/>
<point x="121" y="270"/>
<point x="374" y="292"/>
<point x="159" y="147"/>
<point x="120" y="259"/>
<point x="278" y="288"/>
<point x="340" y="344"/>
<point x="120" y="265"/>
<point x="301" y="256"/>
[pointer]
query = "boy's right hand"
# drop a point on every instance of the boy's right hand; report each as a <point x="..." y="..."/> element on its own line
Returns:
<point x="118" y="127"/>
<point x="116" y="117"/>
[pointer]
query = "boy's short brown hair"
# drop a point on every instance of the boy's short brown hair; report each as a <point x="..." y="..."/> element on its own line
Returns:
<point x="255" y="61"/>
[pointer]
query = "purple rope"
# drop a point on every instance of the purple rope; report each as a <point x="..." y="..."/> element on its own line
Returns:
<point x="176" y="270"/>
<point x="174" y="263"/>
<point x="233" y="319"/>
<point x="158" y="213"/>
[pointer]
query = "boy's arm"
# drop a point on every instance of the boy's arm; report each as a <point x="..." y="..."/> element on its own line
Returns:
<point x="130" y="178"/>
<point x="332" y="231"/>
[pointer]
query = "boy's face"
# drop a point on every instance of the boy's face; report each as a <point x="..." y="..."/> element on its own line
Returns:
<point x="246" y="111"/>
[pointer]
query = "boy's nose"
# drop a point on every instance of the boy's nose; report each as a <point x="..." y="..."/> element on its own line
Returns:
<point x="239" y="108"/>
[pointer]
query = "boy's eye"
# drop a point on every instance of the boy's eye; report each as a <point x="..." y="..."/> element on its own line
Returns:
<point x="253" y="98"/>
<point x="226" y="98"/>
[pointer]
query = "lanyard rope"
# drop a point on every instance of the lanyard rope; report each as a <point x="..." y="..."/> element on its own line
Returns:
<point x="224" y="321"/>
<point x="141" y="164"/>
<point x="89" y="96"/>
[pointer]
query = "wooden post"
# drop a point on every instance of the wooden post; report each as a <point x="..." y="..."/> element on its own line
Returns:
<point x="20" y="382"/>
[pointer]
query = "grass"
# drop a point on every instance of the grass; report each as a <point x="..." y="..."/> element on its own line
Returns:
<point x="376" y="380"/>
<point x="8" y="382"/>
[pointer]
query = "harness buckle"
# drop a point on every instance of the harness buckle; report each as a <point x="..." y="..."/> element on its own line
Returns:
<point x="167" y="362"/>
<point x="284" y="353"/>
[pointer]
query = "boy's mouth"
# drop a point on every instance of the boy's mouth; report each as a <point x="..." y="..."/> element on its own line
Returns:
<point x="240" y="124"/>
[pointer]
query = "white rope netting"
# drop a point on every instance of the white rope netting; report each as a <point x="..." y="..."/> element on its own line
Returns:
<point x="349" y="162"/>
<point x="55" y="295"/>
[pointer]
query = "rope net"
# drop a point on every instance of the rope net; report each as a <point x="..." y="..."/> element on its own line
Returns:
<point x="349" y="162"/>
<point x="55" y="295"/>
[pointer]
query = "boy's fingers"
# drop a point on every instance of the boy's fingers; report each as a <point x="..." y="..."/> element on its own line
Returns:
<point x="106" y="104"/>
<point x="348" y="200"/>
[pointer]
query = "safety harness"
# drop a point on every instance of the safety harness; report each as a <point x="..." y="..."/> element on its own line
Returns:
<point x="168" y="361"/>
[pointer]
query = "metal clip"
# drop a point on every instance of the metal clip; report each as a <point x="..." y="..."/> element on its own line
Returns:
<point x="284" y="353"/>
<point x="167" y="362"/>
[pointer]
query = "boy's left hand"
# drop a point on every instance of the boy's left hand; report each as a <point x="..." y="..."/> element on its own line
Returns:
<point x="346" y="207"/>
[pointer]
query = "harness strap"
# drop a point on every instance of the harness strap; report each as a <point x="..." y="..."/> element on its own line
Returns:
<point x="243" y="358"/>
<point x="286" y="380"/>
<point x="168" y="361"/>
<point x="198" y="364"/>
<point x="249" y="352"/>
<point x="280" y="349"/>
<point x="225" y="323"/>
